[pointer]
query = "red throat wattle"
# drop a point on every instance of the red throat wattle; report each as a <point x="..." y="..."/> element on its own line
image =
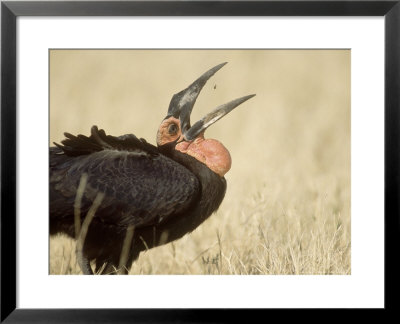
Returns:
<point x="208" y="151"/>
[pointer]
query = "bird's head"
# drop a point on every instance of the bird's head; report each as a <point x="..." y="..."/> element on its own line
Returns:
<point x="176" y="128"/>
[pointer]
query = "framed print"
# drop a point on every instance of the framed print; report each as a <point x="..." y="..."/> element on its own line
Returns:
<point x="308" y="211"/>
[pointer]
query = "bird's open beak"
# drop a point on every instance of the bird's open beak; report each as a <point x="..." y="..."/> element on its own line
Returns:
<point x="182" y="103"/>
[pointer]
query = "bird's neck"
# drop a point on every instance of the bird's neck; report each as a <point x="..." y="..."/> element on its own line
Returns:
<point x="209" y="151"/>
<point x="213" y="186"/>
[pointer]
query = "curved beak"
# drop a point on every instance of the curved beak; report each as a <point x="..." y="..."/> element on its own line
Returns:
<point x="182" y="103"/>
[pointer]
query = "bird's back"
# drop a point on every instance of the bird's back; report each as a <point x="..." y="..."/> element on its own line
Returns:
<point x="142" y="187"/>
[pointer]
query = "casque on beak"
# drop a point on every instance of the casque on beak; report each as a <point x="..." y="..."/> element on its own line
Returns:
<point x="182" y="103"/>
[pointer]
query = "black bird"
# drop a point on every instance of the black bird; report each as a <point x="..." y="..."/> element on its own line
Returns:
<point x="121" y="195"/>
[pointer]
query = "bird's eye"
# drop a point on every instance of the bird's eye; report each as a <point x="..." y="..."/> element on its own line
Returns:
<point x="172" y="129"/>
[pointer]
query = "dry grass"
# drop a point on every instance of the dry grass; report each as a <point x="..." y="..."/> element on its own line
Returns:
<point x="287" y="207"/>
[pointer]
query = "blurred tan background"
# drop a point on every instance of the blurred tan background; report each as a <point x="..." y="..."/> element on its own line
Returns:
<point x="287" y="207"/>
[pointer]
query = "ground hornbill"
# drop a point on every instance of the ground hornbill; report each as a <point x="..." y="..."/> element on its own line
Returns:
<point x="119" y="196"/>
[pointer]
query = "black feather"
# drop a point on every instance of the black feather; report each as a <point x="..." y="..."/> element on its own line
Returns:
<point x="99" y="141"/>
<point x="163" y="193"/>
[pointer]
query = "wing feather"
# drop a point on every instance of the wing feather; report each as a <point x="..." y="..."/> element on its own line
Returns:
<point x="142" y="186"/>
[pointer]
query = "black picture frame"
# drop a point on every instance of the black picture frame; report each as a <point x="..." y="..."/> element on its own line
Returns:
<point x="11" y="10"/>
